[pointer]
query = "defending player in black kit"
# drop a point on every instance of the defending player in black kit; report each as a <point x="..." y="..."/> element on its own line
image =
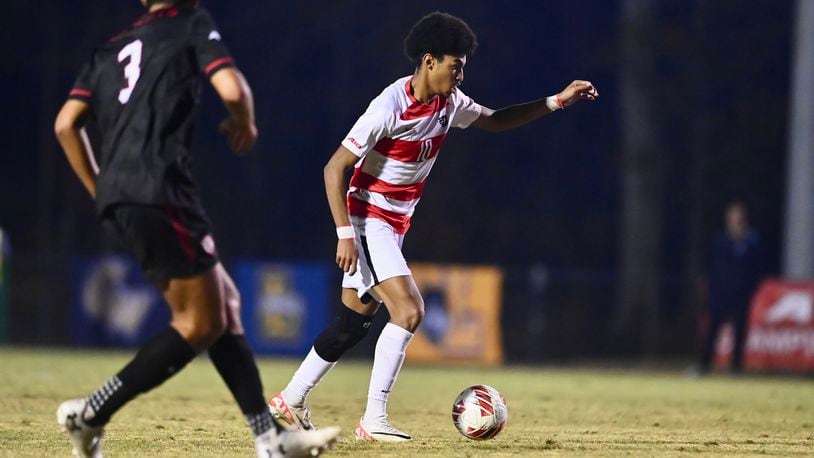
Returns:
<point x="142" y="89"/>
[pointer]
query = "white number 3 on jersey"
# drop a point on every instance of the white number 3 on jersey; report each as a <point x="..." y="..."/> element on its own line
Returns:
<point x="132" y="71"/>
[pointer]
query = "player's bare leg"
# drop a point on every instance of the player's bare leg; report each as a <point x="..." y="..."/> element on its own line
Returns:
<point x="234" y="360"/>
<point x="197" y="304"/>
<point x="351" y="300"/>
<point x="406" y="306"/>
<point x="197" y="321"/>
<point x="349" y="327"/>
<point x="403" y="301"/>
<point x="200" y="316"/>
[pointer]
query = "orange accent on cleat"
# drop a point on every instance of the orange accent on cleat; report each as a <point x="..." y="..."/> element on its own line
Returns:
<point x="361" y="434"/>
<point x="280" y="411"/>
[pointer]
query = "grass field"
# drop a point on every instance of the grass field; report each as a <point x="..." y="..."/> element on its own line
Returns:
<point x="552" y="411"/>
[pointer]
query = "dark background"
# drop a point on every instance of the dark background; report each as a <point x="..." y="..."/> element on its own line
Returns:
<point x="542" y="201"/>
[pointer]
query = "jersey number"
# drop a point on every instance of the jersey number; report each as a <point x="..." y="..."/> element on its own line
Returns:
<point x="425" y="151"/>
<point x="132" y="71"/>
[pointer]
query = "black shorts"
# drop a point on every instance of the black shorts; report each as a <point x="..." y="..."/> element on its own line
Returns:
<point x="168" y="242"/>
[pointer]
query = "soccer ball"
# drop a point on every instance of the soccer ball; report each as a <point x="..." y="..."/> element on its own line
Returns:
<point x="480" y="412"/>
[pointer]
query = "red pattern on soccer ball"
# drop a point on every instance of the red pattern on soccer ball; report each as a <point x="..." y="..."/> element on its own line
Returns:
<point x="485" y="399"/>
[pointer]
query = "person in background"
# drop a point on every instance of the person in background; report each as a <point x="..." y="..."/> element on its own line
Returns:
<point x="736" y="267"/>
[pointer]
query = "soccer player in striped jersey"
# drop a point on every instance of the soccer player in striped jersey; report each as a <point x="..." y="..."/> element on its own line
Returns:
<point x="392" y="148"/>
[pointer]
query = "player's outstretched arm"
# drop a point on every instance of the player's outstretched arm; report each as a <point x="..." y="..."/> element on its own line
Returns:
<point x="518" y="115"/>
<point x="236" y="94"/>
<point x="71" y="136"/>
<point x="334" y="174"/>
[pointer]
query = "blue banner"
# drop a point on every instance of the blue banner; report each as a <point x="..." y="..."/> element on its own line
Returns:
<point x="114" y="305"/>
<point x="285" y="306"/>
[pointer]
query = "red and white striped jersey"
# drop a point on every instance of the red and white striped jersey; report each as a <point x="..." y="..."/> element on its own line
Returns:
<point x="397" y="140"/>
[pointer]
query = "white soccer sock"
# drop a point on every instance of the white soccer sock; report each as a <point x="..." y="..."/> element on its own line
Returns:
<point x="390" y="351"/>
<point x="309" y="374"/>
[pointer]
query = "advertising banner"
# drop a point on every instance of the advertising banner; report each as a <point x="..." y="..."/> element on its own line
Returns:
<point x="462" y="315"/>
<point x="781" y="329"/>
<point x="113" y="304"/>
<point x="285" y="306"/>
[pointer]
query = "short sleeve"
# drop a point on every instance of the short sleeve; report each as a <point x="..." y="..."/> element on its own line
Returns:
<point x="210" y="51"/>
<point x="466" y="110"/>
<point x="372" y="126"/>
<point x="83" y="86"/>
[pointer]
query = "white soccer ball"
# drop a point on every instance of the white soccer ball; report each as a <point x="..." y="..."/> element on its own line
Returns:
<point x="480" y="412"/>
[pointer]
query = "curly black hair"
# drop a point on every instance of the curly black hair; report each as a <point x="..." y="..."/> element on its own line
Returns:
<point x="439" y="34"/>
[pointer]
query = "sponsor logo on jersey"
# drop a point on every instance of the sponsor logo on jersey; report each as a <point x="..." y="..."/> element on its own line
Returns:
<point x="354" y="142"/>
<point x="443" y="120"/>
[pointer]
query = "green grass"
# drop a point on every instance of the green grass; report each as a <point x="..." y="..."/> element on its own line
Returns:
<point x="552" y="411"/>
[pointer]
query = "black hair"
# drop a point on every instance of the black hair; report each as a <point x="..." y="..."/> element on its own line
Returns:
<point x="439" y="34"/>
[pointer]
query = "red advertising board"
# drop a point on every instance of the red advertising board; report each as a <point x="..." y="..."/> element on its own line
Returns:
<point x="781" y="329"/>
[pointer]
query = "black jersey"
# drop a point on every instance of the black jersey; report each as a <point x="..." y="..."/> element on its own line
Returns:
<point x="143" y="88"/>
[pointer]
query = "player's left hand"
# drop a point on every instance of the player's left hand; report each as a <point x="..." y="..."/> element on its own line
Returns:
<point x="242" y="136"/>
<point x="576" y="91"/>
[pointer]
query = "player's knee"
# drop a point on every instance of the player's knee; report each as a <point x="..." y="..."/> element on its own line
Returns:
<point x="408" y="311"/>
<point x="412" y="317"/>
<point x="206" y="329"/>
<point x="346" y="330"/>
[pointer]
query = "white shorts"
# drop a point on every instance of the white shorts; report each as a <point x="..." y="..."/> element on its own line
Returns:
<point x="379" y="249"/>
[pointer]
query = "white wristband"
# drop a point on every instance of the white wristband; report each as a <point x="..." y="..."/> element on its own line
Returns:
<point x="345" y="232"/>
<point x="553" y="103"/>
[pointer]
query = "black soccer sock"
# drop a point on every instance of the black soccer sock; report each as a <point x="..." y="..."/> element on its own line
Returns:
<point x="155" y="362"/>
<point x="234" y="361"/>
<point x="346" y="330"/>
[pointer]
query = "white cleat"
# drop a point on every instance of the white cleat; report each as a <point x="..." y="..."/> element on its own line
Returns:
<point x="289" y="443"/>
<point x="87" y="440"/>
<point x="292" y="417"/>
<point x="379" y="431"/>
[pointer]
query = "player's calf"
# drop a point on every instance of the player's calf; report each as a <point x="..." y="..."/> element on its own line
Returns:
<point x="235" y="363"/>
<point x="346" y="330"/>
